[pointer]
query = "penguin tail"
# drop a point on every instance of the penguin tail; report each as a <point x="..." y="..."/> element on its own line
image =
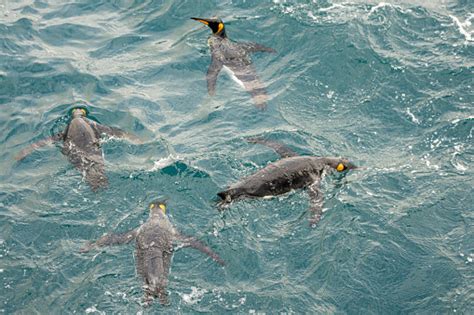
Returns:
<point x="97" y="181"/>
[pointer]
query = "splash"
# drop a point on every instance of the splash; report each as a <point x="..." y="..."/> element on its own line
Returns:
<point x="194" y="297"/>
<point x="164" y="162"/>
<point x="464" y="27"/>
<point x="93" y="309"/>
<point x="383" y="4"/>
<point x="412" y="116"/>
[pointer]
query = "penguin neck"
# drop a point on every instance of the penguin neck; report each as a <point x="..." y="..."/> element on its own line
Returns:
<point x="331" y="162"/>
<point x="75" y="115"/>
<point x="222" y="34"/>
<point x="157" y="214"/>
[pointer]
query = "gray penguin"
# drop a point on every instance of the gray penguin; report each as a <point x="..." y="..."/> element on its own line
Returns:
<point x="154" y="247"/>
<point x="236" y="58"/>
<point x="288" y="173"/>
<point x="81" y="145"/>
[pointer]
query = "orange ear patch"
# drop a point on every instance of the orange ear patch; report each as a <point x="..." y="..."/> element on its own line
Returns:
<point x="220" y="27"/>
<point x="162" y="207"/>
<point x="340" y="167"/>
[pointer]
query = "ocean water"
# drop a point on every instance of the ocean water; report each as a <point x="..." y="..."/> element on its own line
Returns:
<point x="388" y="85"/>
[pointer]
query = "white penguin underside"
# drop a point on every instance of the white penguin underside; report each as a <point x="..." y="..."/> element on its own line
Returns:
<point x="231" y="74"/>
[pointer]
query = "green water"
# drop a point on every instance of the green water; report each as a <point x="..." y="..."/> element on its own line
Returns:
<point x="387" y="84"/>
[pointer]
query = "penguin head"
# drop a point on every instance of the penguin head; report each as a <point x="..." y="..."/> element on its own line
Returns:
<point x="78" y="112"/>
<point x="340" y="164"/>
<point x="215" y="24"/>
<point x="158" y="205"/>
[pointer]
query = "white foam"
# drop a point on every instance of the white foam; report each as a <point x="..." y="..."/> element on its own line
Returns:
<point x="378" y="6"/>
<point x="93" y="309"/>
<point x="194" y="297"/>
<point x="463" y="27"/>
<point x="458" y="149"/>
<point x="455" y="121"/>
<point x="162" y="163"/>
<point x="412" y="116"/>
<point x="334" y="6"/>
<point x="381" y="5"/>
<point x="428" y="163"/>
<point x="240" y="302"/>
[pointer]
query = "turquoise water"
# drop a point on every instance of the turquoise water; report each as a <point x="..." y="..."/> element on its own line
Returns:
<point x="387" y="84"/>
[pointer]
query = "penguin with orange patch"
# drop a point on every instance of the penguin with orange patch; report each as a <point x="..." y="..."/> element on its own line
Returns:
<point x="234" y="57"/>
<point x="290" y="172"/>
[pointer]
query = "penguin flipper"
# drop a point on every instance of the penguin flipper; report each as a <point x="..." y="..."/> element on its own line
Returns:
<point x="214" y="68"/>
<point x="279" y="148"/>
<point x="255" y="47"/>
<point x="49" y="140"/>
<point x="189" y="241"/>
<point x="111" y="239"/>
<point x="112" y="131"/>
<point x="316" y="202"/>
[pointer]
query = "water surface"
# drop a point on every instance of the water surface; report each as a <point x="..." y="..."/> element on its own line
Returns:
<point x="387" y="84"/>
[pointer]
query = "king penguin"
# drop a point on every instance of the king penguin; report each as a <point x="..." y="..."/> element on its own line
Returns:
<point x="288" y="173"/>
<point x="235" y="57"/>
<point x="81" y="144"/>
<point x="154" y="247"/>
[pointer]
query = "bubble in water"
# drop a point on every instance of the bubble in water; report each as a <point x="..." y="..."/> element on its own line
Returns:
<point x="194" y="297"/>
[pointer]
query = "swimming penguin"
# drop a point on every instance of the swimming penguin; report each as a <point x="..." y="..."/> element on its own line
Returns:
<point x="236" y="58"/>
<point x="291" y="172"/>
<point x="154" y="242"/>
<point x="81" y="144"/>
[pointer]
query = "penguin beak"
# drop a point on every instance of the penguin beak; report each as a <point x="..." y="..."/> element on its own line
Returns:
<point x="203" y="21"/>
<point x="351" y="166"/>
